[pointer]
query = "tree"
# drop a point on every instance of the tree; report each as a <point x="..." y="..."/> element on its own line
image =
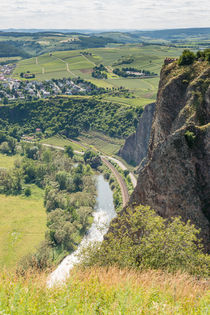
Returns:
<point x="141" y="238"/>
<point x="187" y="58"/>
<point x="69" y="151"/>
<point x="93" y="159"/>
<point x="27" y="192"/>
<point x="4" y="148"/>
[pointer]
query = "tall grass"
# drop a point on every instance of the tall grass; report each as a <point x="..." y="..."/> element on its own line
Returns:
<point x="105" y="291"/>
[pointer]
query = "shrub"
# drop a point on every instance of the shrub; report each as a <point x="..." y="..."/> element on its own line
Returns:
<point x="142" y="239"/>
<point x="69" y="151"/>
<point x="27" y="192"/>
<point x="126" y="173"/>
<point x="190" y="138"/>
<point x="187" y="58"/>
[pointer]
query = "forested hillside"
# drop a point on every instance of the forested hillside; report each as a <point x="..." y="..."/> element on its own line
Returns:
<point x="70" y="117"/>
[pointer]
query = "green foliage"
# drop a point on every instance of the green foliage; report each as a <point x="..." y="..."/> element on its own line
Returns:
<point x="71" y="117"/>
<point x="69" y="151"/>
<point x="95" y="291"/>
<point x="27" y="192"/>
<point x="11" y="181"/>
<point x="203" y="55"/>
<point x="92" y="159"/>
<point x="7" y="143"/>
<point x="140" y="238"/>
<point x="99" y="72"/>
<point x="190" y="138"/>
<point x="37" y="261"/>
<point x="187" y="58"/>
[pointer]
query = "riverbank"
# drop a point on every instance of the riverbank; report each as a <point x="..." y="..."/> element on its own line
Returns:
<point x="103" y="214"/>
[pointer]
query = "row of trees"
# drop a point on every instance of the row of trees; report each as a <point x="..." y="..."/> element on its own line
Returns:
<point x="188" y="57"/>
<point x="132" y="72"/>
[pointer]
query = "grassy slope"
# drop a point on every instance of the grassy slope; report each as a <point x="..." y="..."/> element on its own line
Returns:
<point x="105" y="291"/>
<point x="147" y="57"/>
<point x="60" y="142"/>
<point x="23" y="224"/>
<point x="102" y="143"/>
<point x="91" y="139"/>
<point x="23" y="221"/>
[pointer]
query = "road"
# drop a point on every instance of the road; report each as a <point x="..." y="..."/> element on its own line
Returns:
<point x="123" y="167"/>
<point x="123" y="187"/>
<point x="59" y="148"/>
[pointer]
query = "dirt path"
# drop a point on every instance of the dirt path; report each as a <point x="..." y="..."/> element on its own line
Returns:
<point x="60" y="148"/>
<point x="89" y="60"/>
<point x="68" y="70"/>
<point x="67" y="65"/>
<point x="124" y="190"/>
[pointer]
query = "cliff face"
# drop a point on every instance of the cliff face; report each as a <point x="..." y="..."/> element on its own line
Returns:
<point x="136" y="145"/>
<point x="176" y="179"/>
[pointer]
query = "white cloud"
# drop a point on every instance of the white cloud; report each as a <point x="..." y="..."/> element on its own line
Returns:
<point x="104" y="14"/>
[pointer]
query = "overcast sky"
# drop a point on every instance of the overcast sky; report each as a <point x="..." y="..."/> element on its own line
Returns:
<point x="104" y="14"/>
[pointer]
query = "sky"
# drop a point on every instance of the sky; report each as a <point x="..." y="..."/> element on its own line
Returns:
<point x="104" y="14"/>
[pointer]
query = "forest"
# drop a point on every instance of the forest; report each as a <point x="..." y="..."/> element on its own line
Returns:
<point x="69" y="117"/>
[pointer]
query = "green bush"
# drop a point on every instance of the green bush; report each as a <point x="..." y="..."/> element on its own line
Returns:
<point x="69" y="151"/>
<point x="27" y="192"/>
<point x="141" y="239"/>
<point x="190" y="138"/>
<point x="187" y="58"/>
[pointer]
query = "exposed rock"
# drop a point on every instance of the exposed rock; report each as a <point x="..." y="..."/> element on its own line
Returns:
<point x="136" y="145"/>
<point x="176" y="178"/>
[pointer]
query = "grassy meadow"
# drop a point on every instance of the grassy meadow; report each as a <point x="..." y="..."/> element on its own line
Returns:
<point x="23" y="221"/>
<point x="23" y="225"/>
<point x="61" y="64"/>
<point x="105" y="291"/>
<point x="101" y="142"/>
<point x="7" y="161"/>
<point x="61" y="142"/>
<point x="92" y="139"/>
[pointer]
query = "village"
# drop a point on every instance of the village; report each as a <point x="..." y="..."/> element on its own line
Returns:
<point x="12" y="89"/>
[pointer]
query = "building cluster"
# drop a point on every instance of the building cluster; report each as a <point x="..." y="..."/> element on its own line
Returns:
<point x="12" y="89"/>
<point x="6" y="70"/>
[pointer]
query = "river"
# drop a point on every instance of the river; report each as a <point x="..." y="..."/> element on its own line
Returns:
<point x="103" y="214"/>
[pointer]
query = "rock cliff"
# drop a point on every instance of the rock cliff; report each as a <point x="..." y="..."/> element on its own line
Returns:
<point x="176" y="178"/>
<point x="136" y="145"/>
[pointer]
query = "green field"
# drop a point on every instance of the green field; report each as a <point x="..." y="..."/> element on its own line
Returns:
<point x="23" y="225"/>
<point x="61" y="64"/>
<point x="102" y="143"/>
<point x="23" y="221"/>
<point x="7" y="161"/>
<point x="61" y="142"/>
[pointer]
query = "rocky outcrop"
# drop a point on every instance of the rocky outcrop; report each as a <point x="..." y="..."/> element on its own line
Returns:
<point x="176" y="178"/>
<point x="136" y="145"/>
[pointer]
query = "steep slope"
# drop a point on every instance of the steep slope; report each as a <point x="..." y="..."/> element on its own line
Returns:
<point x="176" y="179"/>
<point x="136" y="145"/>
